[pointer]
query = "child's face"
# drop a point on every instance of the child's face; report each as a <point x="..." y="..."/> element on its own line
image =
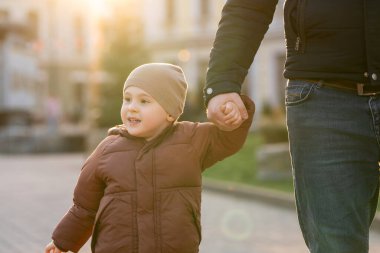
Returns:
<point x="142" y="114"/>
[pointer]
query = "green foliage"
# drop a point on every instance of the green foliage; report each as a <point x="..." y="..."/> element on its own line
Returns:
<point x="110" y="104"/>
<point x="241" y="167"/>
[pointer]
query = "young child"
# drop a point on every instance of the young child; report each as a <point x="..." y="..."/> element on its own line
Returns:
<point x="140" y="190"/>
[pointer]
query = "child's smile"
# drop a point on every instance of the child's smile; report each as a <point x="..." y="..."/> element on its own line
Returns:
<point x="133" y="122"/>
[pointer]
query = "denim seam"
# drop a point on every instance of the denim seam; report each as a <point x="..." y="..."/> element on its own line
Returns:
<point x="373" y="121"/>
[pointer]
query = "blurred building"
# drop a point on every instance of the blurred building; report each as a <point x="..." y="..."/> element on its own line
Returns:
<point x="51" y="52"/>
<point x="49" y="58"/>
<point x="21" y="89"/>
<point x="63" y="37"/>
<point x="182" y="32"/>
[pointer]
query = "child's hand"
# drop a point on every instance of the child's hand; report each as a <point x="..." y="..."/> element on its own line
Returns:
<point x="51" y="248"/>
<point x="232" y="115"/>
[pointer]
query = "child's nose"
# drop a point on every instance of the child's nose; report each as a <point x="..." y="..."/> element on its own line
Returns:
<point x="132" y="106"/>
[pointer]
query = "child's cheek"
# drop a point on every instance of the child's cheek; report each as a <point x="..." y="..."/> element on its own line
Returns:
<point x="123" y="114"/>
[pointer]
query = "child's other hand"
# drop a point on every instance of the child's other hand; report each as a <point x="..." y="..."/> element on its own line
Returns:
<point x="232" y="115"/>
<point x="51" y="248"/>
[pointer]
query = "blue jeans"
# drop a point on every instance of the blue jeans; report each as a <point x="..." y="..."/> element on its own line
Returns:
<point x="334" y="144"/>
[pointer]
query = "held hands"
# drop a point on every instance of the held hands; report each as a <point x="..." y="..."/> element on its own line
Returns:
<point x="227" y="111"/>
<point x="51" y="248"/>
<point x="231" y="113"/>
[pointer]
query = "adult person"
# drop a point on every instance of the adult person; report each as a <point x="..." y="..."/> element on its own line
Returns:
<point x="332" y="101"/>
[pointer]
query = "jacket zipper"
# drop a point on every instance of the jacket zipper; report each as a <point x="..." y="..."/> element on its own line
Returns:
<point x="300" y="40"/>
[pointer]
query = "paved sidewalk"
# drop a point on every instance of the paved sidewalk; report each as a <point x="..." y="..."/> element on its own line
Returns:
<point x="36" y="191"/>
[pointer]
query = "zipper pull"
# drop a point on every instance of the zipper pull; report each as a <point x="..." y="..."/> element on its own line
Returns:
<point x="298" y="42"/>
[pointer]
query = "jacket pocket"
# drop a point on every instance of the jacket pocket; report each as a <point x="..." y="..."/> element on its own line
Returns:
<point x="297" y="92"/>
<point x="114" y="225"/>
<point x="179" y="220"/>
<point x="103" y="205"/>
<point x="195" y="209"/>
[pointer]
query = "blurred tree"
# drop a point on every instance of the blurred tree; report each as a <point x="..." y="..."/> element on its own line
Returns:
<point x="124" y="50"/>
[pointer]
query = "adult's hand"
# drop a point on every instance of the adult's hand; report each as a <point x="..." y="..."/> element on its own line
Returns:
<point x="215" y="110"/>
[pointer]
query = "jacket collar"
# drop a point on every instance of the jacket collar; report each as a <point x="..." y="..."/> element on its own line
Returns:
<point x="122" y="131"/>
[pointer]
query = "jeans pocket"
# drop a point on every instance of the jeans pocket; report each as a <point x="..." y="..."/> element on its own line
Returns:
<point x="298" y="92"/>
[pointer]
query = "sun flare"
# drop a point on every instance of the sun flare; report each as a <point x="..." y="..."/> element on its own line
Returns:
<point x="99" y="7"/>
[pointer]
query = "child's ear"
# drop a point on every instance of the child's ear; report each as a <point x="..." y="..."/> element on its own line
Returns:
<point x="170" y="118"/>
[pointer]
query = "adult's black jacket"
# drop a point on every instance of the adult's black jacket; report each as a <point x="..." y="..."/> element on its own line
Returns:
<point x="325" y="39"/>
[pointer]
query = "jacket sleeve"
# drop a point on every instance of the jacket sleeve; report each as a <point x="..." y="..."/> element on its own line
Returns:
<point x="221" y="144"/>
<point x="75" y="228"/>
<point x="240" y="32"/>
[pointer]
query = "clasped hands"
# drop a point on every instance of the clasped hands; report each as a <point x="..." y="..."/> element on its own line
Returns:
<point x="227" y="111"/>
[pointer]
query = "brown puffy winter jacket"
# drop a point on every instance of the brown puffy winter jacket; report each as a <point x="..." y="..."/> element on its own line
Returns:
<point x="145" y="197"/>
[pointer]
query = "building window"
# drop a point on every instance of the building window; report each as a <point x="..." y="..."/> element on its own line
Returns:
<point x="4" y="16"/>
<point x="33" y="22"/>
<point x="170" y="12"/>
<point x="17" y="83"/>
<point x="204" y="10"/>
<point x="79" y="102"/>
<point x="79" y="34"/>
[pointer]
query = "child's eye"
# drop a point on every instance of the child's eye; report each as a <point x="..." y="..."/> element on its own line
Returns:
<point x="144" y="101"/>
<point x="127" y="99"/>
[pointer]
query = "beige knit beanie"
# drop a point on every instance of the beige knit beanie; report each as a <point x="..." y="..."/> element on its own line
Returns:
<point x="166" y="83"/>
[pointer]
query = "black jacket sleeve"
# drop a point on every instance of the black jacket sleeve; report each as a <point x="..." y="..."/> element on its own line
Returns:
<point x="240" y="32"/>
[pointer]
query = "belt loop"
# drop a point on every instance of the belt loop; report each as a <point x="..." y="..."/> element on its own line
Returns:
<point x="360" y="88"/>
<point x="362" y="91"/>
